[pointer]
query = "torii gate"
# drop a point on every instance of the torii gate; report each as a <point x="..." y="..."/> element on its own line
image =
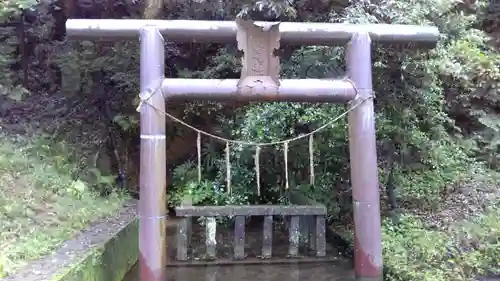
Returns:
<point x="259" y="82"/>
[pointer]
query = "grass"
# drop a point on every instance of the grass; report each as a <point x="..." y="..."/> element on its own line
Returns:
<point x="413" y="252"/>
<point x="458" y="241"/>
<point x="469" y="249"/>
<point x="41" y="203"/>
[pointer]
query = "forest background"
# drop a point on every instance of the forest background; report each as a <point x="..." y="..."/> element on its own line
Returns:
<point x="437" y="118"/>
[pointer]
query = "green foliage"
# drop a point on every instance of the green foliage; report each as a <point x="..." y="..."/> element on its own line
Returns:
<point x="185" y="189"/>
<point x="436" y="114"/>
<point x="9" y="86"/>
<point x="126" y="123"/>
<point x="413" y="252"/>
<point x="42" y="202"/>
<point x="101" y="182"/>
<point x="10" y="8"/>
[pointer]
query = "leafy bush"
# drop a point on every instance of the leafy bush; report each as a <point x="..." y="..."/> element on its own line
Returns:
<point x="185" y="189"/>
<point x="471" y="249"/>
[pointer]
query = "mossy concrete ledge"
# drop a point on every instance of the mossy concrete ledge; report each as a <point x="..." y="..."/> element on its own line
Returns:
<point x="105" y="251"/>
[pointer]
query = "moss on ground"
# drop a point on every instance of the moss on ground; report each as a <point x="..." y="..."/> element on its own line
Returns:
<point x="41" y="203"/>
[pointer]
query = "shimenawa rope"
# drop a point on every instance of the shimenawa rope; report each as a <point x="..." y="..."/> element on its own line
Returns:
<point x="150" y="92"/>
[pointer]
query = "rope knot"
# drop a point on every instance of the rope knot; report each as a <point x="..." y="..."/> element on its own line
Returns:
<point x="146" y="95"/>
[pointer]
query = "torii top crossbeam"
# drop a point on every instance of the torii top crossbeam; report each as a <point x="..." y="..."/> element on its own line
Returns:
<point x="295" y="33"/>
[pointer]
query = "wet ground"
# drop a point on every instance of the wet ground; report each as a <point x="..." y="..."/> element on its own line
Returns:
<point x="306" y="267"/>
<point x="282" y="272"/>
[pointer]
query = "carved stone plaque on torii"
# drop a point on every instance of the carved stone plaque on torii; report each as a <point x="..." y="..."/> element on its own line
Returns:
<point x="260" y="66"/>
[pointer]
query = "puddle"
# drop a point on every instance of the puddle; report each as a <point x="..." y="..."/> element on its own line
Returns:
<point x="288" y="272"/>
